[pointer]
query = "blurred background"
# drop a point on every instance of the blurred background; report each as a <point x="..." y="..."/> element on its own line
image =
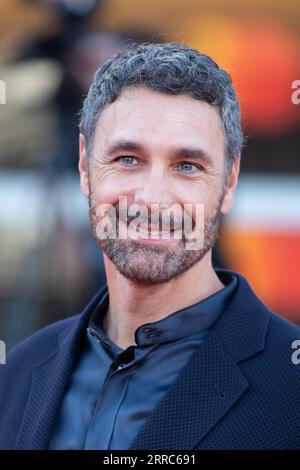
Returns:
<point x="50" y="265"/>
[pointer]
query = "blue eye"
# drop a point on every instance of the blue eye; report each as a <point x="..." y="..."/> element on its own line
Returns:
<point x="187" y="167"/>
<point x="127" y="160"/>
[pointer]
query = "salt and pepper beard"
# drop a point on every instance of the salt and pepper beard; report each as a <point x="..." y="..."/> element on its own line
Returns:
<point x="145" y="264"/>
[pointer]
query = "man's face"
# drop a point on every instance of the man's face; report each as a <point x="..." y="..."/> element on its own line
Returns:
<point x="157" y="151"/>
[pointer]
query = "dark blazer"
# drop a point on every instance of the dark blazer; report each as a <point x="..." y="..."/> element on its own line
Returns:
<point x="240" y="390"/>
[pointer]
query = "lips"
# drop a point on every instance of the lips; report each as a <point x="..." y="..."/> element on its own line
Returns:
<point x="150" y="231"/>
<point x="154" y="231"/>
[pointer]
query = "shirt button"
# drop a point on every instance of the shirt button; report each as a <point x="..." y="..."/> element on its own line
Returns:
<point x="151" y="332"/>
<point x="121" y="366"/>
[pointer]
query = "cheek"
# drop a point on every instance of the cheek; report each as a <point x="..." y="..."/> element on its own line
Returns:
<point x="204" y="190"/>
<point x="195" y="195"/>
<point x="107" y="184"/>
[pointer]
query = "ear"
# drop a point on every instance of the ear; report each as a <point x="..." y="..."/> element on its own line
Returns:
<point x="231" y="185"/>
<point x="83" y="167"/>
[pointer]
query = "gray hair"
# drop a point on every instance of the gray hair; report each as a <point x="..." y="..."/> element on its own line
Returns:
<point x="171" y="68"/>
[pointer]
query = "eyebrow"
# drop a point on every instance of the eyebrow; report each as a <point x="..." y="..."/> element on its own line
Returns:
<point x="176" y="153"/>
<point x="122" y="145"/>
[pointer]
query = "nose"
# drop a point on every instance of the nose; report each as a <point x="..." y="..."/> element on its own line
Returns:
<point x="154" y="188"/>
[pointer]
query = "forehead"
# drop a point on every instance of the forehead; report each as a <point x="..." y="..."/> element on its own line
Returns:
<point x="152" y="117"/>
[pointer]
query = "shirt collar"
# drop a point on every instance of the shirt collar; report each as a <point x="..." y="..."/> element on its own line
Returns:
<point x="189" y="321"/>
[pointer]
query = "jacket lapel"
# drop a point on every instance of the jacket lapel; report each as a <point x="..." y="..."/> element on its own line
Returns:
<point x="49" y="382"/>
<point x="205" y="390"/>
<point x="212" y="382"/>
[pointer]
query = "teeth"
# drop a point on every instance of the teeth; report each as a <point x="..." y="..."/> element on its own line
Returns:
<point x="152" y="232"/>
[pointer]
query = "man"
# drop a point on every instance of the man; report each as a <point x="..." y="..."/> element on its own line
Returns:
<point x="171" y="354"/>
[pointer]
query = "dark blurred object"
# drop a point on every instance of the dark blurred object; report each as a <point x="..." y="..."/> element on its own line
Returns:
<point x="71" y="8"/>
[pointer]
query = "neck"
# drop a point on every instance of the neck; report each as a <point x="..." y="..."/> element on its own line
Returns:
<point x="132" y="305"/>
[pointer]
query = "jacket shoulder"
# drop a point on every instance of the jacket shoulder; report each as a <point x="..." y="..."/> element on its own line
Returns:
<point x="274" y="370"/>
<point x="281" y="331"/>
<point x="32" y="351"/>
<point x="283" y="346"/>
<point x="41" y="342"/>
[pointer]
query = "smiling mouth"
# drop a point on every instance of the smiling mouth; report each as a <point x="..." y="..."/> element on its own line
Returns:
<point x="153" y="231"/>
